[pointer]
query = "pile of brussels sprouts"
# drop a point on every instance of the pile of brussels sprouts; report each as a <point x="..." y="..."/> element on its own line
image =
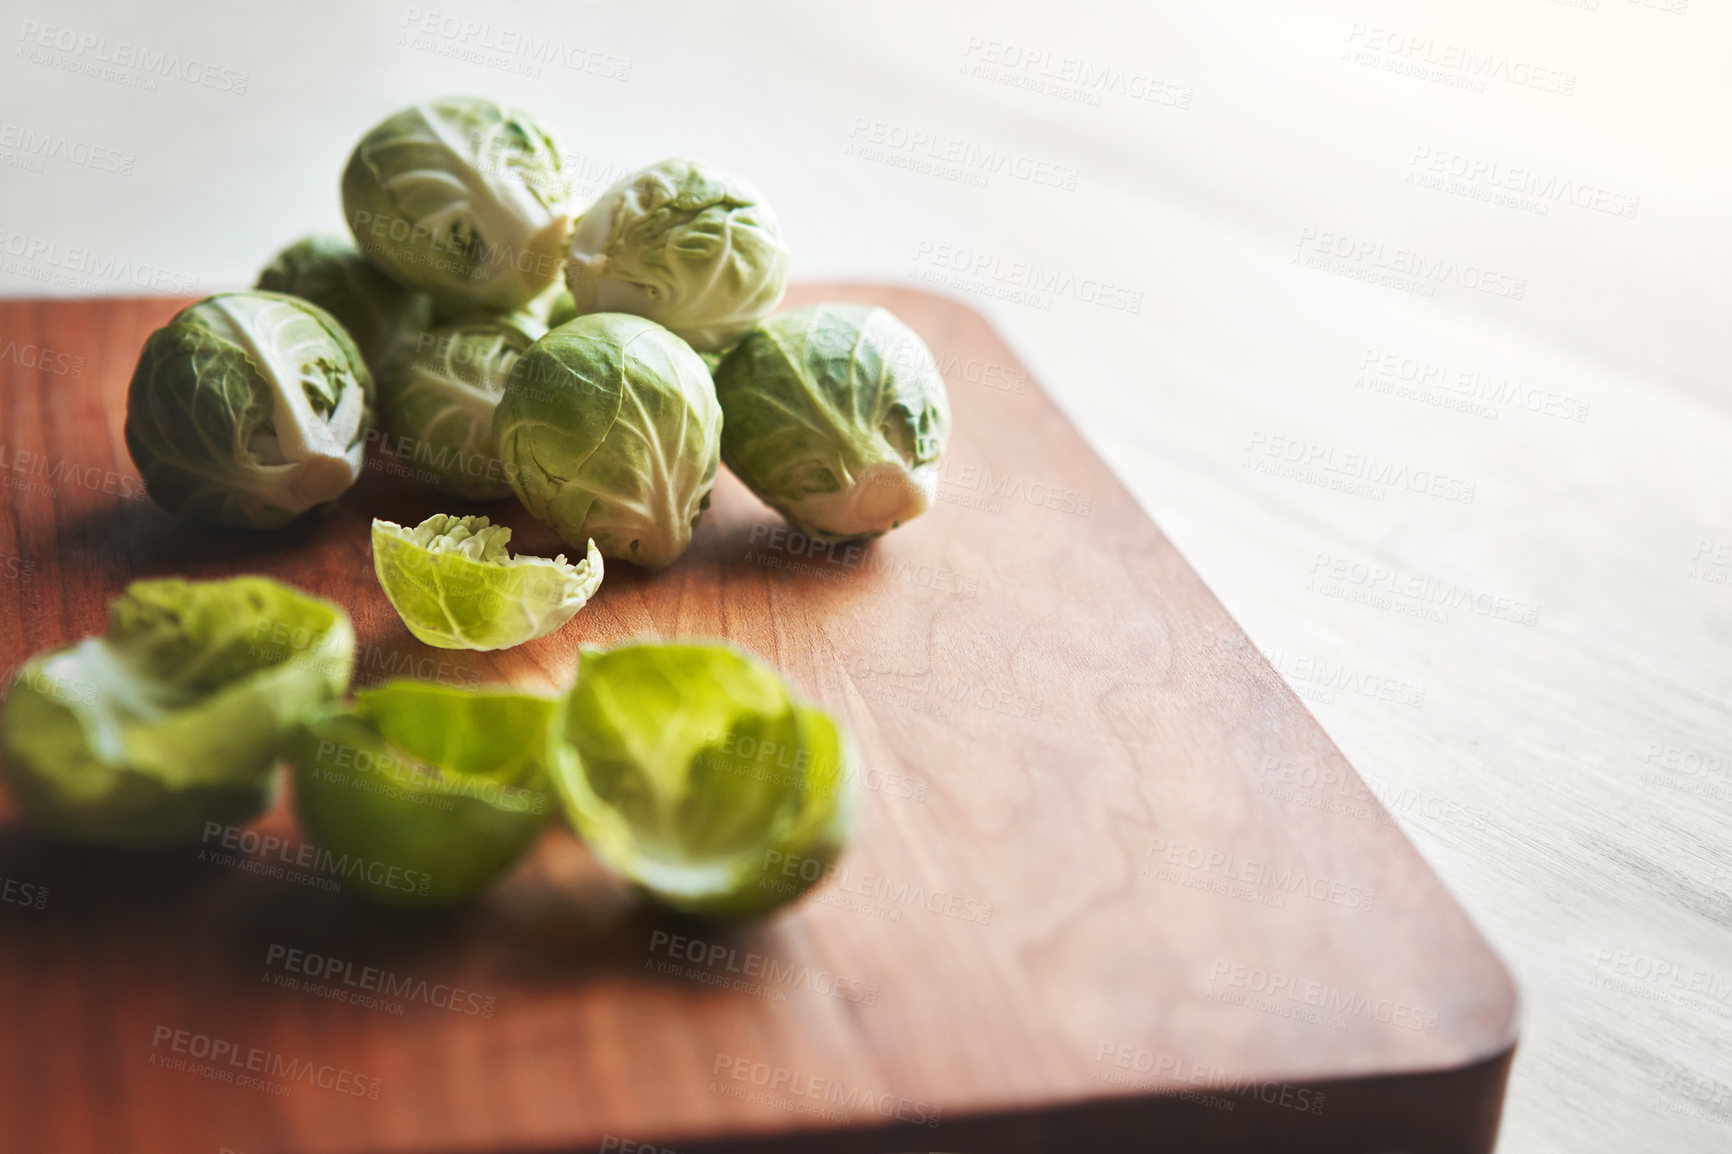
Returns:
<point x="596" y="362"/>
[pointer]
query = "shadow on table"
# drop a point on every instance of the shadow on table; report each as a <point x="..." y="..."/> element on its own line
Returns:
<point x="204" y="917"/>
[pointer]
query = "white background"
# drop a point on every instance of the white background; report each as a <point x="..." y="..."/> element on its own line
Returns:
<point x="1213" y="153"/>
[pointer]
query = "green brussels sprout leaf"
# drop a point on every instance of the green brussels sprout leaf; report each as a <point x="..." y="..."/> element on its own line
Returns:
<point x="175" y="717"/>
<point x="444" y="788"/>
<point x="696" y="776"/>
<point x="455" y="586"/>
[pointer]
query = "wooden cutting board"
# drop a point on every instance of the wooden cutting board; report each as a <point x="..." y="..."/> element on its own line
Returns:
<point x="1114" y="889"/>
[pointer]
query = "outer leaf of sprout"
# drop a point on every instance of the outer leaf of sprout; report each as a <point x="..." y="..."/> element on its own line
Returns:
<point x="455" y="586"/>
<point x="687" y="245"/>
<point x="248" y="409"/>
<point x="436" y="790"/>
<point x="463" y="198"/>
<point x="382" y="317"/>
<point x="174" y="718"/>
<point x="441" y="403"/>
<point x="693" y="774"/>
<point x="610" y="430"/>
<point x="835" y="416"/>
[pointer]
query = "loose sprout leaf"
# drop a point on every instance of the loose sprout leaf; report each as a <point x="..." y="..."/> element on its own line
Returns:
<point x="463" y="198"/>
<point x="687" y="245"/>
<point x="835" y="416"/>
<point x="248" y="409"/>
<point x="439" y="790"/>
<point x="610" y="431"/>
<point x="694" y="774"/>
<point x="176" y="715"/>
<point x="455" y="585"/>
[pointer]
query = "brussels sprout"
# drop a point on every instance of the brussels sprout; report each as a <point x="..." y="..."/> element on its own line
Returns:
<point x="248" y="409"/>
<point x="684" y="244"/>
<point x="176" y="715"/>
<point x="382" y="317"/>
<point x="455" y="586"/>
<point x="695" y="775"/>
<point x="463" y="198"/>
<point x="551" y="309"/>
<point x="561" y="308"/>
<point x="443" y="788"/>
<point x="441" y="403"/>
<point x="610" y="430"/>
<point x="835" y="417"/>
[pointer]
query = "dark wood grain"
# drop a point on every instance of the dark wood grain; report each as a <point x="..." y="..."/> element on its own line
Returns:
<point x="1096" y="820"/>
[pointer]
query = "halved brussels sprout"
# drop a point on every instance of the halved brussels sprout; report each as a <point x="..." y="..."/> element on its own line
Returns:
<point x="455" y="586"/>
<point x="610" y="430"/>
<point x="688" y="246"/>
<point x="248" y="409"/>
<point x="441" y="402"/>
<point x="439" y="790"/>
<point x="835" y="416"/>
<point x="696" y="776"/>
<point x="463" y="198"/>
<point x="176" y="715"/>
<point x="381" y="316"/>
